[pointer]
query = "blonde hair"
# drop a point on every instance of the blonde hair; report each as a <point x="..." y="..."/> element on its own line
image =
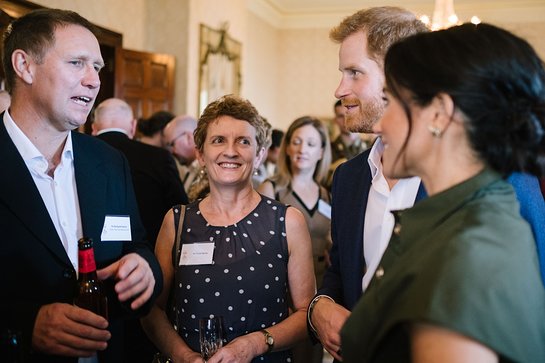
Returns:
<point x="284" y="174"/>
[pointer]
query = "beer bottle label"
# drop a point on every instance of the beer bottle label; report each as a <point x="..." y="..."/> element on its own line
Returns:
<point x="86" y="261"/>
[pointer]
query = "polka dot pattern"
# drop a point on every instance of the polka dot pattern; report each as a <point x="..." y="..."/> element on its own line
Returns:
<point x="247" y="282"/>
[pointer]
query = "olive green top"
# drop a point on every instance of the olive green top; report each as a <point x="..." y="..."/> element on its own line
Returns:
<point x="464" y="260"/>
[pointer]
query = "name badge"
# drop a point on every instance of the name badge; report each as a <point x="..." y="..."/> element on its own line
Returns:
<point x="324" y="208"/>
<point x="116" y="228"/>
<point x="200" y="253"/>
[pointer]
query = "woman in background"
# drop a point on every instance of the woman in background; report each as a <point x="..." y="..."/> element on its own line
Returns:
<point x="150" y="130"/>
<point x="459" y="281"/>
<point x="260" y="247"/>
<point x="303" y="164"/>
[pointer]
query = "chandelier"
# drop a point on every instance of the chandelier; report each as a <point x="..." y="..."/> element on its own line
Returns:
<point x="444" y="16"/>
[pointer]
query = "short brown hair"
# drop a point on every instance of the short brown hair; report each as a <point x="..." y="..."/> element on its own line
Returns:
<point x="35" y="34"/>
<point x="383" y="26"/>
<point x="236" y="107"/>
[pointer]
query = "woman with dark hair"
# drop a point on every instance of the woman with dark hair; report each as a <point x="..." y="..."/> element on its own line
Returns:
<point x="150" y="130"/>
<point x="257" y="248"/>
<point x="459" y="281"/>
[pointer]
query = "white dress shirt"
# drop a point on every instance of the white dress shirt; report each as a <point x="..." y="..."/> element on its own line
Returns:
<point x="379" y="221"/>
<point x="58" y="193"/>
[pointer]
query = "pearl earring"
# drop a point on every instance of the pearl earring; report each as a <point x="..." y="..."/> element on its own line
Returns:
<point x="435" y="131"/>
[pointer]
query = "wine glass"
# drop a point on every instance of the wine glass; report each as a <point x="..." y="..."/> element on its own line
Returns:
<point x="211" y="335"/>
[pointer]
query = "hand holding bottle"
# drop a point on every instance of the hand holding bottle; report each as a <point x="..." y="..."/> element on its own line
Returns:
<point x="64" y="329"/>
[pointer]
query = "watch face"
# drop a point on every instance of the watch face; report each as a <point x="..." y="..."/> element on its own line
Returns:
<point x="270" y="340"/>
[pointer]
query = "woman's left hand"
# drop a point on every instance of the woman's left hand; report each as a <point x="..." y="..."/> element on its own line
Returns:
<point x="240" y="350"/>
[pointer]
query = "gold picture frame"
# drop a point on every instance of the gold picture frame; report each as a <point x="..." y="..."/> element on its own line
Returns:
<point x="219" y="65"/>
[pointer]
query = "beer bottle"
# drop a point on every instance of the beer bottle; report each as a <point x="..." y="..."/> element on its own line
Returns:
<point x="90" y="294"/>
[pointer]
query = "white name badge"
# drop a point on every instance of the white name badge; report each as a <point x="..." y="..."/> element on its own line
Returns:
<point x="200" y="253"/>
<point x="324" y="208"/>
<point x="116" y="228"/>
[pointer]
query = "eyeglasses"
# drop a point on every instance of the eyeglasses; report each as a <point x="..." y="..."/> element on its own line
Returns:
<point x="171" y="144"/>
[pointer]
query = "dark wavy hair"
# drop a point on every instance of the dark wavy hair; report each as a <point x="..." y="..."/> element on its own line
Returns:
<point x="35" y="34"/>
<point x="155" y="123"/>
<point x="494" y="78"/>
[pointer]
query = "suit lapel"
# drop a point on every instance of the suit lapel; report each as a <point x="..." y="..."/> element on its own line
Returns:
<point x="18" y="191"/>
<point x="91" y="184"/>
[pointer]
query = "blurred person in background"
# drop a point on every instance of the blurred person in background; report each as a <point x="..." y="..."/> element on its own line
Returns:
<point x="150" y="130"/>
<point x="303" y="162"/>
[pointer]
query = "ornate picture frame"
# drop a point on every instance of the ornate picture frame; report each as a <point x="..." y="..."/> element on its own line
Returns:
<point x="219" y="65"/>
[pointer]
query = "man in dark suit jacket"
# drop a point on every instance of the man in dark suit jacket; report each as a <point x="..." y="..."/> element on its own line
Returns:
<point x="157" y="186"/>
<point x="58" y="186"/>
<point x="156" y="180"/>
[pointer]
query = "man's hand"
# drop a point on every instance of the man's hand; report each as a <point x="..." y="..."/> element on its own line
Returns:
<point x="134" y="276"/>
<point x="64" y="329"/>
<point x="328" y="319"/>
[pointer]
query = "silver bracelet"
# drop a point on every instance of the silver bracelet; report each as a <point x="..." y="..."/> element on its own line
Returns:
<point x="311" y="308"/>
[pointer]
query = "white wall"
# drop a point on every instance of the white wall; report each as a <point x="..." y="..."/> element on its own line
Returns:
<point x="289" y="67"/>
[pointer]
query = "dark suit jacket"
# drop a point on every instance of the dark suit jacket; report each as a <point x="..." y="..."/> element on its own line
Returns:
<point x="34" y="267"/>
<point x="158" y="187"/>
<point x="156" y="180"/>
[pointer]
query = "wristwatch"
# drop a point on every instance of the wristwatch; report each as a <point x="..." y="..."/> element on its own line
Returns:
<point x="269" y="340"/>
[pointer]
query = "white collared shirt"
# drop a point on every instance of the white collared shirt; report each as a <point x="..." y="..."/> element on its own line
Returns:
<point x="59" y="193"/>
<point x="379" y="221"/>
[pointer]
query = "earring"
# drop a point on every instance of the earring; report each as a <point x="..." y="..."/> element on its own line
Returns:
<point x="435" y="131"/>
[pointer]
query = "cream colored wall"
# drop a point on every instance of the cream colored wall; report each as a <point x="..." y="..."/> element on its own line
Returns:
<point x="308" y="74"/>
<point x="286" y="73"/>
<point x="263" y="69"/>
<point x="127" y="17"/>
<point x="212" y="13"/>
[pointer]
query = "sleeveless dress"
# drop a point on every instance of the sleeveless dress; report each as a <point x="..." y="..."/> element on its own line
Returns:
<point x="247" y="282"/>
<point x="318" y="225"/>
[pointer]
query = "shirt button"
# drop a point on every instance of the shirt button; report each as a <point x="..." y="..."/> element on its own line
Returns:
<point x="68" y="273"/>
<point x="379" y="273"/>
<point x="397" y="228"/>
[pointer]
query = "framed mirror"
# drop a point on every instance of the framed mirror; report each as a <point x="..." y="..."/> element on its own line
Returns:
<point x="219" y="65"/>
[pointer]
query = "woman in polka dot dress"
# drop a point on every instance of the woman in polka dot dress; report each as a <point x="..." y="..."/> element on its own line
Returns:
<point x="253" y="248"/>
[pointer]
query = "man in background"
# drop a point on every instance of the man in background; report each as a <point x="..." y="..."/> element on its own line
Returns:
<point x="61" y="185"/>
<point x="267" y="168"/>
<point x="346" y="145"/>
<point x="157" y="186"/>
<point x="178" y="136"/>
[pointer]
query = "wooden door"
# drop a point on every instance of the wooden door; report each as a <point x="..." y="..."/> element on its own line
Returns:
<point x="145" y="81"/>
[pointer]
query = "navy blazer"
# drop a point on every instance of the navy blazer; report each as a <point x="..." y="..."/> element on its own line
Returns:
<point x="350" y="191"/>
<point x="34" y="267"/>
<point x="156" y="180"/>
